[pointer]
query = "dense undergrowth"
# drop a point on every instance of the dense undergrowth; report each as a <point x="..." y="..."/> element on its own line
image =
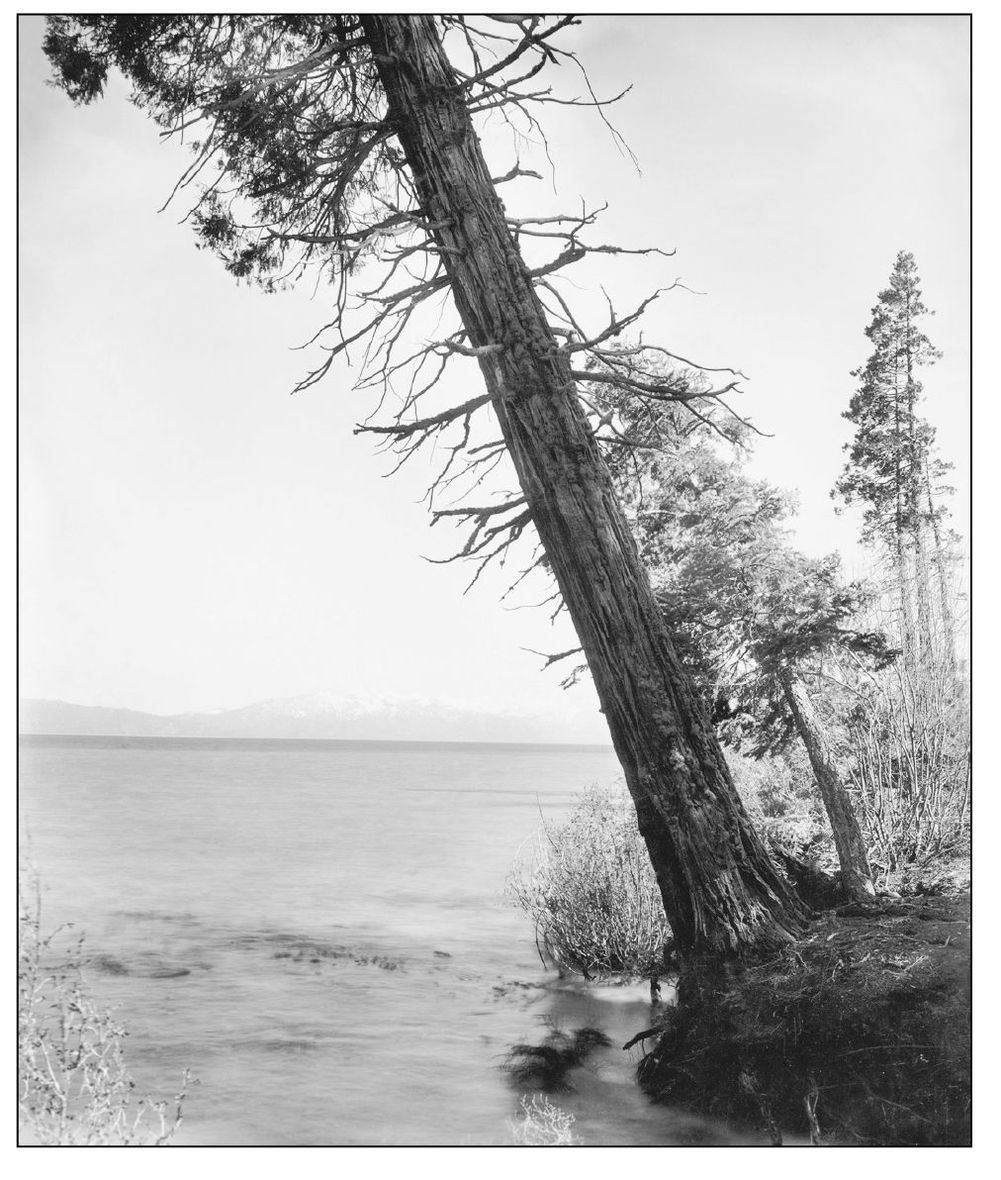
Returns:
<point x="857" y="1034"/>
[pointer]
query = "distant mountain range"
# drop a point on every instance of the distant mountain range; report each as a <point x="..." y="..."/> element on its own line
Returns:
<point x="321" y="715"/>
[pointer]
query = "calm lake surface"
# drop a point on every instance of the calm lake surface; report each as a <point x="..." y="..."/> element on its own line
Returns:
<point x="352" y="971"/>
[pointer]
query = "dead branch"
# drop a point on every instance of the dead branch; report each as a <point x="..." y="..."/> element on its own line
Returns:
<point x="405" y="429"/>
<point x="555" y="657"/>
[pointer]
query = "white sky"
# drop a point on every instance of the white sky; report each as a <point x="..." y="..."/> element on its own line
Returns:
<point x="194" y="538"/>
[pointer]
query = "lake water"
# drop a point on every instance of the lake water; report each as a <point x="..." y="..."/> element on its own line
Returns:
<point x="353" y="973"/>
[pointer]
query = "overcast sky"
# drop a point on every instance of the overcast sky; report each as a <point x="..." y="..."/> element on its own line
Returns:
<point x="194" y="538"/>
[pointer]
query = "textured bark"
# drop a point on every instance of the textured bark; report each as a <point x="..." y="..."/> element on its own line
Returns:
<point x="721" y="892"/>
<point x="856" y="876"/>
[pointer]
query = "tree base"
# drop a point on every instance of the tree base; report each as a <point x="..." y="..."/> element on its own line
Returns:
<point x="857" y="1034"/>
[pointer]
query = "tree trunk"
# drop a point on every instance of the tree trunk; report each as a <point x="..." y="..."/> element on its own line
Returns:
<point x="922" y="595"/>
<point x="856" y="876"/>
<point x="942" y="578"/>
<point x="922" y="580"/>
<point x="908" y="628"/>
<point x="909" y="641"/>
<point x="721" y="892"/>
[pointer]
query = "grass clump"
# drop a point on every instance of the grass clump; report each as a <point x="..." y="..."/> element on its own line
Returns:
<point x="590" y="890"/>
<point x="74" y="1088"/>
<point x="543" y="1125"/>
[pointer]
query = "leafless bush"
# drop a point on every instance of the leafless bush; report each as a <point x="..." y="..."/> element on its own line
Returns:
<point x="591" y="891"/>
<point x="73" y="1085"/>
<point x="910" y="740"/>
<point x="543" y="1125"/>
<point x="907" y="748"/>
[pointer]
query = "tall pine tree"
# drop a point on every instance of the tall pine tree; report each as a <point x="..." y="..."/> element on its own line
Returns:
<point x="892" y="468"/>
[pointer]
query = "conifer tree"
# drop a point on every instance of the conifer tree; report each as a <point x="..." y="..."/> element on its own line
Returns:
<point x="752" y="617"/>
<point x="892" y="468"/>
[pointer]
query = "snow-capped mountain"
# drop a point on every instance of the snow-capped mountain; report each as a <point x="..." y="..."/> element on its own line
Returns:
<point x="321" y="715"/>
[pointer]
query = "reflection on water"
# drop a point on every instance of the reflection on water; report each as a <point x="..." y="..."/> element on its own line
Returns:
<point x="319" y="933"/>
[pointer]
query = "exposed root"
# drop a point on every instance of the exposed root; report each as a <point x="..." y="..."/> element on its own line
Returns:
<point x="858" y="1033"/>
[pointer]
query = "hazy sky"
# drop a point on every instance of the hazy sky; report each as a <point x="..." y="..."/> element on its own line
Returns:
<point x="194" y="538"/>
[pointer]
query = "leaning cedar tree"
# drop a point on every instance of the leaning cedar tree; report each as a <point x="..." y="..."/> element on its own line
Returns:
<point x="340" y="140"/>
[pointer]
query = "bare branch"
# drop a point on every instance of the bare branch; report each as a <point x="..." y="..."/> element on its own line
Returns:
<point x="556" y="657"/>
<point x="435" y="422"/>
<point x="515" y="172"/>
<point x="465" y="350"/>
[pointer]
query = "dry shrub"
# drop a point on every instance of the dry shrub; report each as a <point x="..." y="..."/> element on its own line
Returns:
<point x="543" y="1125"/>
<point x="590" y="889"/>
<point x="909" y="736"/>
<point x="907" y="740"/>
<point x="74" y="1088"/>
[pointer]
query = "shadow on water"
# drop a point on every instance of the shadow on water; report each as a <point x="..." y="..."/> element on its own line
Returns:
<point x="581" y="1063"/>
<point x="547" y="1065"/>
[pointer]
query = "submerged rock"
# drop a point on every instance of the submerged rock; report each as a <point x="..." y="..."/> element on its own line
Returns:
<point x="109" y="965"/>
<point x="140" y="969"/>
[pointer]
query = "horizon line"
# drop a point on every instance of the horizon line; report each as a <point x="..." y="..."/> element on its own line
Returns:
<point x="126" y="739"/>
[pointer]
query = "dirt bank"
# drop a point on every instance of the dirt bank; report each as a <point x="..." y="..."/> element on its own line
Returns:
<point x="857" y="1034"/>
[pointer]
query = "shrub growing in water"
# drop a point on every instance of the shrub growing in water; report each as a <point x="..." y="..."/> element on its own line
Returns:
<point x="591" y="892"/>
